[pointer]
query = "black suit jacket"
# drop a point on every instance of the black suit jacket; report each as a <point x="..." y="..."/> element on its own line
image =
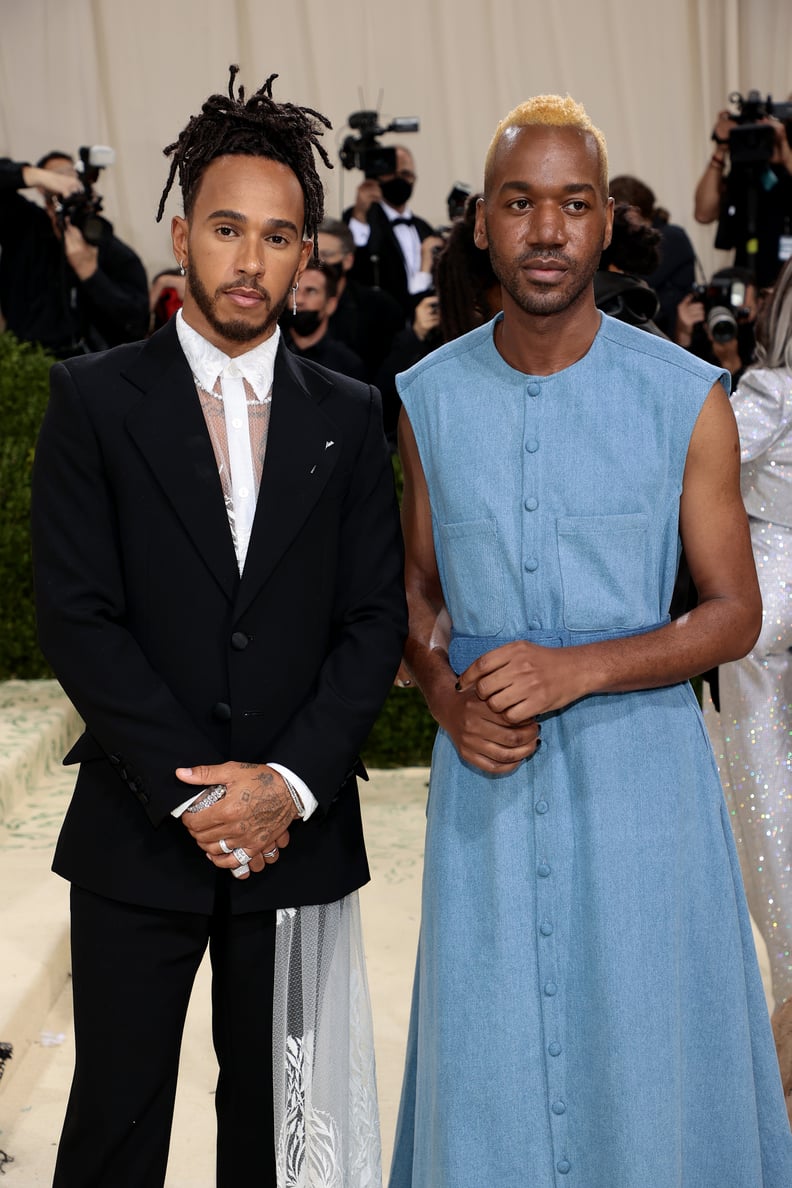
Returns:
<point x="174" y="660"/>
<point x="380" y="262"/>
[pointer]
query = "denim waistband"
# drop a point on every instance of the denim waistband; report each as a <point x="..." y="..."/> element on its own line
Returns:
<point x="464" y="649"/>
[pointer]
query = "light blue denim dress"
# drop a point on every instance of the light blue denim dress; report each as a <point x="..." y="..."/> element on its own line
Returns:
<point x="588" y="1009"/>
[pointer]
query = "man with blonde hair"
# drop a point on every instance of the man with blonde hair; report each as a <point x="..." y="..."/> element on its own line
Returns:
<point x="588" y="1009"/>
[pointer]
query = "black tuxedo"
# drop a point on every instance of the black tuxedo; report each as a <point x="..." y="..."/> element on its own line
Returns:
<point x="174" y="660"/>
<point x="380" y="262"/>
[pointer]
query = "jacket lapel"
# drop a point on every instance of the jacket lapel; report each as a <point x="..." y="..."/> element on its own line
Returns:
<point x="168" y="428"/>
<point x="303" y="446"/>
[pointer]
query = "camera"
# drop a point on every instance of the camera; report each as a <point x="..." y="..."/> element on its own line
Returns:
<point x="724" y="304"/>
<point x="82" y="209"/>
<point x="457" y="200"/>
<point x="364" y="151"/>
<point x="752" y="141"/>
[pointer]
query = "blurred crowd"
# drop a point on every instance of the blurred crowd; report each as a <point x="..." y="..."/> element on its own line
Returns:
<point x="387" y="286"/>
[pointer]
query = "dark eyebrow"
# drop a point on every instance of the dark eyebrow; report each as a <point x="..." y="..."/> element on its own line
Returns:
<point x="238" y="217"/>
<point x="524" y="187"/>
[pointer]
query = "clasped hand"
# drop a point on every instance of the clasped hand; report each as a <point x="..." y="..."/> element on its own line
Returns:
<point x="499" y="697"/>
<point x="254" y="815"/>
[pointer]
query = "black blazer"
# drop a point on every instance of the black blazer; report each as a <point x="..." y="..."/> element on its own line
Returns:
<point x="173" y="660"/>
<point x="380" y="262"/>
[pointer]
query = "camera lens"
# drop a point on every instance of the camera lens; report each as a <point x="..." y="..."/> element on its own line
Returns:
<point x="721" y="324"/>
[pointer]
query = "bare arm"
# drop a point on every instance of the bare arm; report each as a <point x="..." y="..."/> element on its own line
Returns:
<point x="524" y="679"/>
<point x="709" y="190"/>
<point x="482" y="736"/>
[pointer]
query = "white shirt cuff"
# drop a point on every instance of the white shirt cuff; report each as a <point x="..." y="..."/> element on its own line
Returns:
<point x="419" y="282"/>
<point x="177" y="812"/>
<point x="310" y="803"/>
<point x="361" y="233"/>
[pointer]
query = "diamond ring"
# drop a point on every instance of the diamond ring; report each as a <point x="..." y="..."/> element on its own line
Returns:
<point x="210" y="797"/>
<point x="224" y="846"/>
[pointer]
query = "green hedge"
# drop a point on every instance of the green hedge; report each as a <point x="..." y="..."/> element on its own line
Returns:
<point x="24" y="388"/>
<point x="404" y="732"/>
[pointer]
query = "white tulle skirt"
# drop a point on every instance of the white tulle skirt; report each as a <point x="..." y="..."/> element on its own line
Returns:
<point x="326" y="1115"/>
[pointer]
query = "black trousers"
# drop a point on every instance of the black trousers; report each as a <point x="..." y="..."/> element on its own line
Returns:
<point x="133" y="970"/>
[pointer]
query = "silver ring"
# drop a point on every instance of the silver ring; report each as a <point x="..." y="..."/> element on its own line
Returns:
<point x="270" y="853"/>
<point x="210" y="797"/>
<point x="224" y="846"/>
<point x="241" y="856"/>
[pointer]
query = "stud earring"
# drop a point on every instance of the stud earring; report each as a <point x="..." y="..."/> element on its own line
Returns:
<point x="181" y="267"/>
<point x="294" y="298"/>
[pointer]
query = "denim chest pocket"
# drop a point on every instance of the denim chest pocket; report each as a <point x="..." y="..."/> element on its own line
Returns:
<point x="472" y="576"/>
<point x="604" y="564"/>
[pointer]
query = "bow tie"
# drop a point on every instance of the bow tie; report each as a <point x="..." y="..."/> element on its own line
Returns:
<point x="402" y="222"/>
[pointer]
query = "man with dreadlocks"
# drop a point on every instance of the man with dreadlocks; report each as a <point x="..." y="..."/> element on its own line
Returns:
<point x="218" y="570"/>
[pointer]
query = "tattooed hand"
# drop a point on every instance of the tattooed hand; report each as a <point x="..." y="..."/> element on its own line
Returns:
<point x="254" y="815"/>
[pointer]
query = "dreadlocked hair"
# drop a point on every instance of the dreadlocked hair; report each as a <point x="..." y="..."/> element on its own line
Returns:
<point x="257" y="127"/>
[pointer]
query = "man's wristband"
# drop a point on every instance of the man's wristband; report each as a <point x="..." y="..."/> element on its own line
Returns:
<point x="295" y="795"/>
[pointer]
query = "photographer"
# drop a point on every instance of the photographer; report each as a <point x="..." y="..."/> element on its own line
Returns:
<point x="747" y="187"/>
<point x="56" y="288"/>
<point x="394" y="248"/>
<point x="716" y="321"/>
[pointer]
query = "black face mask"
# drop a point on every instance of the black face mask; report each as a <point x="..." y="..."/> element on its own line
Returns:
<point x="396" y="192"/>
<point x="304" y="323"/>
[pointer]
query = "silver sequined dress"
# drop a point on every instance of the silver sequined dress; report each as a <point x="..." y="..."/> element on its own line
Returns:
<point x="752" y="735"/>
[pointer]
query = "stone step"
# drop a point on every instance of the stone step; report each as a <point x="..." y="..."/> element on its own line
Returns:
<point x="37" y="726"/>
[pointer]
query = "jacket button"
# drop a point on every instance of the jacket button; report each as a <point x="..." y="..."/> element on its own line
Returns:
<point x="221" y="711"/>
<point x="239" y="641"/>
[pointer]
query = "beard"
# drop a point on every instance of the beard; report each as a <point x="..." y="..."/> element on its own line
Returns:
<point x="237" y="329"/>
<point x="536" y="298"/>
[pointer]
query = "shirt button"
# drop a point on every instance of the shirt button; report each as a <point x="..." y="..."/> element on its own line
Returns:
<point x="563" y="1166"/>
<point x="543" y="870"/>
<point x="558" y="1107"/>
<point x="551" y="990"/>
<point x="534" y="389"/>
<point x="546" y="928"/>
<point x="232" y="371"/>
<point x="531" y="445"/>
<point x="531" y="565"/>
<point x="243" y="492"/>
<point x="541" y="807"/>
<point x="554" y="1049"/>
<point x="531" y="504"/>
<point x="237" y="422"/>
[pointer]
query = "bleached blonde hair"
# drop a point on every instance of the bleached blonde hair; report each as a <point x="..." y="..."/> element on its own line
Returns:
<point x="549" y="111"/>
